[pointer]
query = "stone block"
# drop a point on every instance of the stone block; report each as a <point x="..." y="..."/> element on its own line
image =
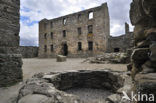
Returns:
<point x="61" y="58"/>
<point x="145" y="84"/>
<point x="140" y="55"/>
<point x="10" y="69"/>
<point x="136" y="13"/>
<point x="153" y="52"/>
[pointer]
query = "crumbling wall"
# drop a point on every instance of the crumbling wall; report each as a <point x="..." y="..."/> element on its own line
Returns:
<point x="51" y="33"/>
<point x="143" y="17"/>
<point x="121" y="43"/>
<point x="29" y="51"/>
<point x="10" y="58"/>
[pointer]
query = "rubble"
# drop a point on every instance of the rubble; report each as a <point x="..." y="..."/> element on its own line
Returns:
<point x="61" y="58"/>
<point x="109" y="58"/>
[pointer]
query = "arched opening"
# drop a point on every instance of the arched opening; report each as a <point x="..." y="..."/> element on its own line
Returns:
<point x="65" y="49"/>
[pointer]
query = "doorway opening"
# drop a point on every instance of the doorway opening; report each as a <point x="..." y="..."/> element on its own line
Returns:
<point x="65" y="49"/>
<point x="116" y="49"/>
<point x="90" y="45"/>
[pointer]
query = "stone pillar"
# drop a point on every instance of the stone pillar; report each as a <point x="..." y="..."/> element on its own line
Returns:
<point x="10" y="58"/>
<point x="143" y="17"/>
<point x="126" y="28"/>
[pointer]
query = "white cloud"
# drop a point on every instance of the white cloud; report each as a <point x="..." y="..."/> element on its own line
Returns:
<point x="39" y="9"/>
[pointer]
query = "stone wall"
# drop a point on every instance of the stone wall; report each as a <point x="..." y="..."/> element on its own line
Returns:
<point x="121" y="43"/>
<point x="55" y="27"/>
<point x="29" y="51"/>
<point x="10" y="58"/>
<point x="143" y="17"/>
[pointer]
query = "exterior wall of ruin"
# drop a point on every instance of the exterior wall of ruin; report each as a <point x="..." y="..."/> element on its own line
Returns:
<point x="10" y="58"/>
<point x="122" y="42"/>
<point x="28" y="51"/>
<point x="101" y="27"/>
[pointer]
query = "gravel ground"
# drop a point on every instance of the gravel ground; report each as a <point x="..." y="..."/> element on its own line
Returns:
<point x="90" y="95"/>
<point x="35" y="65"/>
<point x="32" y="66"/>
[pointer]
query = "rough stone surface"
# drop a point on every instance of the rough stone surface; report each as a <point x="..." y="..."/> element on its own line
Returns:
<point x="61" y="58"/>
<point x="122" y="43"/>
<point x="28" y="51"/>
<point x="109" y="58"/>
<point x="143" y="17"/>
<point x="10" y="58"/>
<point x="99" y="36"/>
<point x="53" y="85"/>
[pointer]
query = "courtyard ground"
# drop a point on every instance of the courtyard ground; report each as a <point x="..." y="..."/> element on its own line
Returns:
<point x="35" y="65"/>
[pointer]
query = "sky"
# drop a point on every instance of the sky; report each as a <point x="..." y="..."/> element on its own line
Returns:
<point x="32" y="11"/>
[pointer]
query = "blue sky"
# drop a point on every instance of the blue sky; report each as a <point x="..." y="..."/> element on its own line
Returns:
<point x="32" y="11"/>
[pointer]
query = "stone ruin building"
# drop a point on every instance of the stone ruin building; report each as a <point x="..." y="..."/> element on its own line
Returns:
<point x="10" y="58"/>
<point x="121" y="43"/>
<point x="81" y="34"/>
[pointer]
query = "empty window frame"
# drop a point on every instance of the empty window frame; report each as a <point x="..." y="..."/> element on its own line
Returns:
<point x="79" y="46"/>
<point x="45" y="36"/>
<point x="51" y="35"/>
<point x="64" y="33"/>
<point x="52" y="48"/>
<point x="45" y="26"/>
<point x="79" y="16"/>
<point x="90" y="45"/>
<point x="51" y="24"/>
<point x="90" y="15"/>
<point x="64" y="21"/>
<point x="45" y="48"/>
<point x="79" y="30"/>
<point x="90" y="29"/>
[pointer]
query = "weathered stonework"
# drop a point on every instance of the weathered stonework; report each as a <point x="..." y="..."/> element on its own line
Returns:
<point x="121" y="43"/>
<point x="10" y="58"/>
<point x="143" y="17"/>
<point x="63" y="35"/>
<point x="28" y="51"/>
<point x="51" y="87"/>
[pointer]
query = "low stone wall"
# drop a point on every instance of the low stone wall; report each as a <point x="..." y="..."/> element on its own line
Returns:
<point x="51" y="87"/>
<point x="28" y="51"/>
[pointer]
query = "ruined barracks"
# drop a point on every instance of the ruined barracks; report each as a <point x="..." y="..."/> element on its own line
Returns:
<point x="81" y="34"/>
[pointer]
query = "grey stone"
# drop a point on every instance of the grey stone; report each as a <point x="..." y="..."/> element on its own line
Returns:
<point x="10" y="58"/>
<point x="52" y="85"/>
<point x="153" y="52"/>
<point x="61" y="58"/>
<point x="28" y="51"/>
<point x="140" y="55"/>
<point x="35" y="98"/>
<point x="136" y="13"/>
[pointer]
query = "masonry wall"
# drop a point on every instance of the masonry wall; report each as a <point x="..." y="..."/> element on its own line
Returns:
<point x="10" y="57"/>
<point x="101" y="26"/>
<point x="29" y="51"/>
<point x="122" y="43"/>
